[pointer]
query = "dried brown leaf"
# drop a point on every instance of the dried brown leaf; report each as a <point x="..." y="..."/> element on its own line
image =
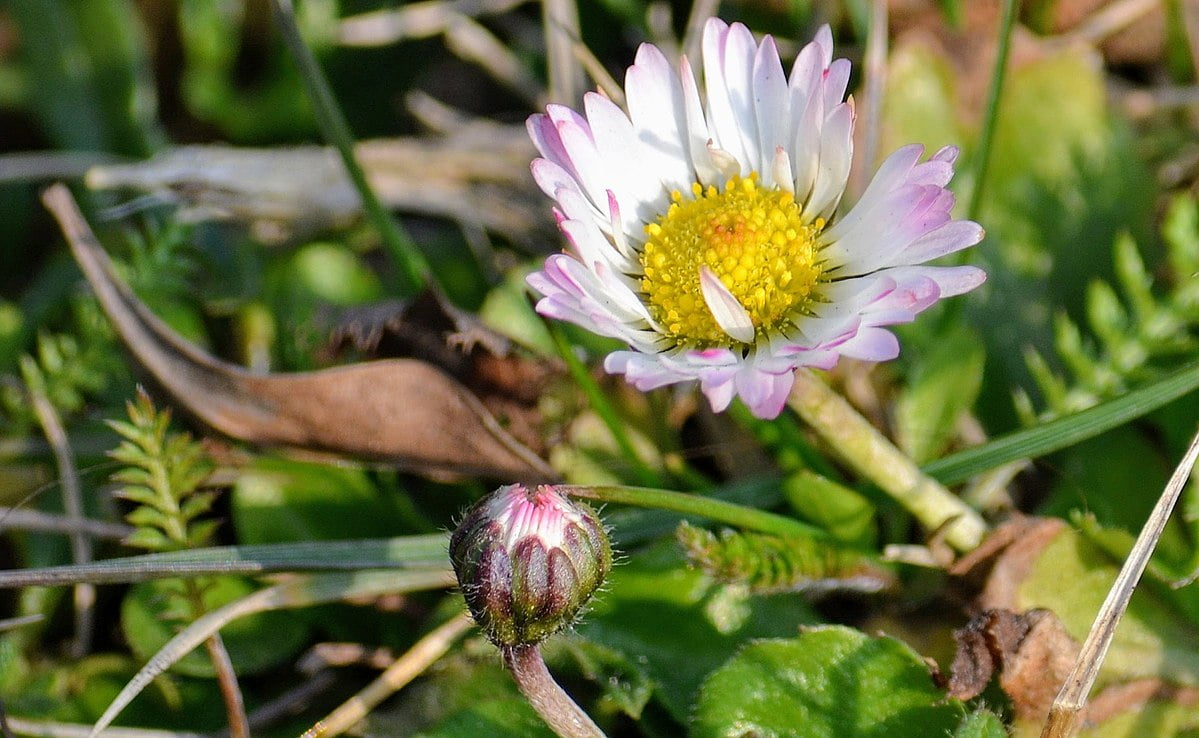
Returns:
<point x="402" y="411"/>
<point x="1031" y="650"/>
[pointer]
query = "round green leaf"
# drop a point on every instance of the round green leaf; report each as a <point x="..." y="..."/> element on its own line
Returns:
<point x="829" y="681"/>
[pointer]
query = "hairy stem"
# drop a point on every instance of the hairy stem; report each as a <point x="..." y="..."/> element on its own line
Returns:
<point x="870" y="454"/>
<point x="554" y="706"/>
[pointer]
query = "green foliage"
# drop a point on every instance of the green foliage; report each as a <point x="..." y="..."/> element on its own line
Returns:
<point x="1137" y="334"/>
<point x="163" y="475"/>
<point x="829" y="681"/>
<point x="153" y="612"/>
<point x="767" y="563"/>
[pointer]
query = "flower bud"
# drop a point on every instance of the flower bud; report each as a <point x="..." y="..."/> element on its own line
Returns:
<point x="527" y="561"/>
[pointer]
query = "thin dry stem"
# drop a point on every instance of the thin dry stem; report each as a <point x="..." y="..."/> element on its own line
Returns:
<point x="49" y="729"/>
<point x="876" y="82"/>
<point x="414" y="21"/>
<point x="1065" y="717"/>
<point x="701" y="11"/>
<point x="72" y="496"/>
<point x="471" y="42"/>
<point x="561" y="20"/>
<point x="43" y="522"/>
<point x="406" y="668"/>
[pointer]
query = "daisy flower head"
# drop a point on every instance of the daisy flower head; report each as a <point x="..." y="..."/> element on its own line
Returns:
<point x="704" y="230"/>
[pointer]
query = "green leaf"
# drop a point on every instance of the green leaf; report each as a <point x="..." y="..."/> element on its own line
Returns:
<point x="150" y="539"/>
<point x="278" y="500"/>
<point x="767" y="563"/>
<point x="829" y="681"/>
<point x="673" y="622"/>
<point x="407" y="552"/>
<point x="847" y="515"/>
<point x="626" y="685"/>
<point x="255" y="643"/>
<point x="1071" y="577"/>
<point x="981" y="723"/>
<point x="943" y="386"/>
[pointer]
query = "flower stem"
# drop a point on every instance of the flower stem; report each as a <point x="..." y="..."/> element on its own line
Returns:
<point x="748" y="518"/>
<point x="875" y="458"/>
<point x="554" y="706"/>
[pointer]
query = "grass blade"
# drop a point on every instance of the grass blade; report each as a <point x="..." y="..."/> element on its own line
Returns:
<point x="1057" y="434"/>
<point x="299" y="592"/>
<point x="404" y="552"/>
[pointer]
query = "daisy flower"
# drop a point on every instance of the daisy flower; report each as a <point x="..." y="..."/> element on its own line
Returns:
<point x="704" y="230"/>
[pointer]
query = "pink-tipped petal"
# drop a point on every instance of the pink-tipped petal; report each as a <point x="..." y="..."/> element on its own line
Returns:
<point x="730" y="314"/>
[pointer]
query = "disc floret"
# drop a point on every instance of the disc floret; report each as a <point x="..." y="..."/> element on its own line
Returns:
<point x="752" y="238"/>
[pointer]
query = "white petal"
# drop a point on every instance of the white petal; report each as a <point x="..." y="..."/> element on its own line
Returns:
<point x="780" y="168"/>
<point x="698" y="136"/>
<point x="728" y="70"/>
<point x="836" y="155"/>
<point x="637" y="188"/>
<point x="771" y="106"/>
<point x="836" y="80"/>
<point x="730" y="315"/>
<point x="890" y="175"/>
<point x="659" y="115"/>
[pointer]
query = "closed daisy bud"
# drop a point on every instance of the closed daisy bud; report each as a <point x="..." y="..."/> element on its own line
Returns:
<point x="527" y="561"/>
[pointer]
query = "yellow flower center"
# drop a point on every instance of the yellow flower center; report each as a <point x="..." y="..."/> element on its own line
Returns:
<point x="754" y="241"/>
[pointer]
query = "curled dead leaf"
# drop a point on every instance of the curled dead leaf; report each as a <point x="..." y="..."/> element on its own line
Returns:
<point x="1031" y="651"/>
<point x="402" y="411"/>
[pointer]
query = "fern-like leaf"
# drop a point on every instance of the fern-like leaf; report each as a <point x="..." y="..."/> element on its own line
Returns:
<point x="768" y="563"/>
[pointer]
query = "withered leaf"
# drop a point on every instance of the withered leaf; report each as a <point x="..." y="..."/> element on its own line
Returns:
<point x="1031" y="650"/>
<point x="402" y="411"/>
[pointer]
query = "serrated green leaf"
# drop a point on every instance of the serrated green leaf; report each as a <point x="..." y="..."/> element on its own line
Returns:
<point x="139" y="494"/>
<point x="146" y="516"/>
<point x="201" y="532"/>
<point x="768" y="563"/>
<point x="197" y="504"/>
<point x="151" y="539"/>
<point x="830" y="681"/>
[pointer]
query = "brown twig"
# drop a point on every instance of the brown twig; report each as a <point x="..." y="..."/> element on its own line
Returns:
<point x="406" y="668"/>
